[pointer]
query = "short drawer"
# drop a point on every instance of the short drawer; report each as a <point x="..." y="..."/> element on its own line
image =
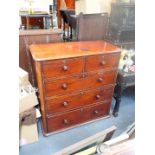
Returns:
<point x="78" y="116"/>
<point x="84" y="98"/>
<point x="103" y="61"/>
<point x="79" y="82"/>
<point x="58" y="68"/>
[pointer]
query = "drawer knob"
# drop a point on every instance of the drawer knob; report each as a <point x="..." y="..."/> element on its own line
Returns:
<point x="100" y="80"/>
<point x="64" y="86"/>
<point x="65" y="68"/>
<point x="95" y="112"/>
<point x="65" y="104"/>
<point x="98" y="96"/>
<point x="102" y="62"/>
<point x="65" y="121"/>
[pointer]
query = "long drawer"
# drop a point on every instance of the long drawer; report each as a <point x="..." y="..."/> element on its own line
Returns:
<point x="58" y="68"/>
<point x="78" y="82"/>
<point x="81" y="115"/>
<point x="76" y="100"/>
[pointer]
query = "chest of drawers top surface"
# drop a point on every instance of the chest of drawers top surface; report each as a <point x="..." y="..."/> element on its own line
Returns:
<point x="42" y="52"/>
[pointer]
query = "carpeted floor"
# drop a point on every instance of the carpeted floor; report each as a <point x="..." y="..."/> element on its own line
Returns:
<point x="53" y="143"/>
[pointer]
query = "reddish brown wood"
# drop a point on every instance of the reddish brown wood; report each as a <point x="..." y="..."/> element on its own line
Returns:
<point x="78" y="82"/>
<point x="71" y="50"/>
<point x="33" y="21"/>
<point x="78" y="116"/>
<point x="28" y="37"/>
<point x="101" y="61"/>
<point x="85" y="98"/>
<point x="41" y="94"/>
<point x="75" y="82"/>
<point x="62" y="67"/>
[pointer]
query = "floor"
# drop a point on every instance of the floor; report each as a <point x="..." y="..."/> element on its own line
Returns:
<point x="53" y="143"/>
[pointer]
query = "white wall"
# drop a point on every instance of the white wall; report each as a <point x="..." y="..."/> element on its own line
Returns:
<point x="42" y="5"/>
<point x="93" y="6"/>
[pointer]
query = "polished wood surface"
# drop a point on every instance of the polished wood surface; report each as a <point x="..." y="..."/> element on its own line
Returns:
<point x="76" y="82"/>
<point x="78" y="116"/>
<point x="79" y="82"/>
<point x="76" y="100"/>
<point x="62" y="67"/>
<point x="71" y="49"/>
<point x="28" y="37"/>
<point x="104" y="61"/>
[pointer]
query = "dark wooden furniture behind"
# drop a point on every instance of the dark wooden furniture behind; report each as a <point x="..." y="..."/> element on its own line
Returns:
<point x="65" y="14"/>
<point x="92" y="26"/>
<point x="122" y="22"/>
<point x="76" y="82"/>
<point x="122" y="33"/>
<point x="123" y="81"/>
<point x="36" y="21"/>
<point x="87" y="26"/>
<point x="28" y="37"/>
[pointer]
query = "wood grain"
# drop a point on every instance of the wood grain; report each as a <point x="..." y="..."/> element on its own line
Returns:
<point x="78" y="82"/>
<point x="78" y="116"/>
<point x="84" y="98"/>
<point x="71" y="50"/>
<point x="59" y="68"/>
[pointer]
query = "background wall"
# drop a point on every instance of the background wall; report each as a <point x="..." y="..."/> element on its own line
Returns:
<point x="42" y="5"/>
<point x="93" y="6"/>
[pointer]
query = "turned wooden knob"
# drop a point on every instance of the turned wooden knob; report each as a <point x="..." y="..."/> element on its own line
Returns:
<point x="100" y="79"/>
<point x="65" y="103"/>
<point x="65" y="68"/>
<point x="98" y="96"/>
<point x="102" y="63"/>
<point x="65" y="121"/>
<point x="95" y="112"/>
<point x="64" y="86"/>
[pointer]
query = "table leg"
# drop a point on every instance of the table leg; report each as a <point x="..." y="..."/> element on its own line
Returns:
<point x="71" y="35"/>
<point x="64" y="36"/>
<point x="118" y="94"/>
<point x="68" y="38"/>
<point x="52" y="21"/>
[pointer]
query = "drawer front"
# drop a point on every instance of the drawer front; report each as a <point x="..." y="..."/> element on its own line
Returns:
<point x="57" y="68"/>
<point x="78" y="116"/>
<point x="76" y="83"/>
<point x="102" y="62"/>
<point x="85" y="98"/>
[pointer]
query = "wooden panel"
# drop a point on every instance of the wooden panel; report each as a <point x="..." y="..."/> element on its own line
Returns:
<point x="27" y="38"/>
<point x="33" y="21"/>
<point x="78" y="116"/>
<point x="63" y="67"/>
<point x="79" y="82"/>
<point x="22" y="54"/>
<point x="41" y="94"/>
<point x="102" y="61"/>
<point x="39" y="39"/>
<point x="71" y="49"/>
<point x="68" y="102"/>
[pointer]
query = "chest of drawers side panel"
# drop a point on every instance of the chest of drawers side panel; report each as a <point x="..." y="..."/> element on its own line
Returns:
<point x="41" y="94"/>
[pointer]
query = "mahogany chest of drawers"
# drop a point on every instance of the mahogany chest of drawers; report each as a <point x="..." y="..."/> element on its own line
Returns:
<point x="76" y="82"/>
